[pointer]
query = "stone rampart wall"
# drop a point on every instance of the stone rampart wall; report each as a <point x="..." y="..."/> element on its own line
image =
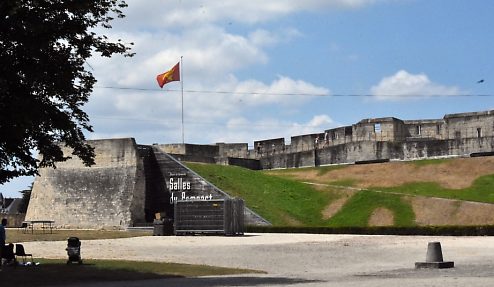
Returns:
<point x="383" y="150"/>
<point x="239" y="150"/>
<point x="367" y="140"/>
<point x="108" y="195"/>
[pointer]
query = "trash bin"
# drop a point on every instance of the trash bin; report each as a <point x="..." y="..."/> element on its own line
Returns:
<point x="158" y="228"/>
<point x="163" y="227"/>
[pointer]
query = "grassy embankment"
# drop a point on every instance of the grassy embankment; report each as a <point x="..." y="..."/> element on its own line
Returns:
<point x="281" y="201"/>
<point x="482" y="190"/>
<point x="282" y="198"/>
<point x="284" y="201"/>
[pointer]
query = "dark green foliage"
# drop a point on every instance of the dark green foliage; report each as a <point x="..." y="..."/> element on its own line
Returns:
<point x="44" y="83"/>
<point x="26" y="196"/>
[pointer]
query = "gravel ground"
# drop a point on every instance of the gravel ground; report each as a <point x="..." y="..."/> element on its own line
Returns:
<point x="298" y="259"/>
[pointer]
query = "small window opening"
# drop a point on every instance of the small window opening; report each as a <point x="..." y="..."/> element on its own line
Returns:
<point x="479" y="132"/>
<point x="419" y="130"/>
<point x="377" y="127"/>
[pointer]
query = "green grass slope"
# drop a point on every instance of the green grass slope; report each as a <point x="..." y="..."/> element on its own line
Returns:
<point x="280" y="201"/>
<point x="358" y="210"/>
<point x="282" y="197"/>
<point x="482" y="190"/>
<point x="287" y="202"/>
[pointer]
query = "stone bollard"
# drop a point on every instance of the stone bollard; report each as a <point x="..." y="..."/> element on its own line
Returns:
<point x="434" y="258"/>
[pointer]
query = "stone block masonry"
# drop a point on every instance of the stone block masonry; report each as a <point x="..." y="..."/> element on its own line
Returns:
<point x="131" y="182"/>
<point x="184" y="184"/>
<point x="369" y="140"/>
<point x="109" y="194"/>
<point x="126" y="187"/>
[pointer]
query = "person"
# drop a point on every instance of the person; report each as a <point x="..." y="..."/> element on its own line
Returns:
<point x="2" y="239"/>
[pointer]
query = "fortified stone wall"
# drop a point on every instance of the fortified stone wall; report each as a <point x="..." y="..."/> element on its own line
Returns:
<point x="109" y="194"/>
<point x="127" y="186"/>
<point x="304" y="142"/>
<point x="238" y="150"/>
<point x="173" y="148"/>
<point x="375" y="139"/>
<point x="470" y="125"/>
<point x="339" y="135"/>
<point x="385" y="150"/>
<point x="129" y="183"/>
<point x="184" y="184"/>
<point x="433" y="129"/>
<point x="269" y="147"/>
<point x="379" y="129"/>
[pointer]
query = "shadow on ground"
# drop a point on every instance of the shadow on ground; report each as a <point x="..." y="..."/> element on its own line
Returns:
<point x="458" y="271"/>
<point x="204" y="282"/>
<point x="63" y="275"/>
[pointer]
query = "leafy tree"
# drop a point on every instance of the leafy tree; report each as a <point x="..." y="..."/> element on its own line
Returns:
<point x="26" y="196"/>
<point x="45" y="80"/>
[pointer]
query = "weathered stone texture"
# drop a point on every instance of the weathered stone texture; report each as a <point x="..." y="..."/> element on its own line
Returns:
<point x="129" y="183"/>
<point x="195" y="186"/>
<point x="369" y="140"/>
<point x="107" y="195"/>
<point x="126" y="187"/>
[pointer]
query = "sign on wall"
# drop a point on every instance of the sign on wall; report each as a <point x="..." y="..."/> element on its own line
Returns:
<point x="181" y="189"/>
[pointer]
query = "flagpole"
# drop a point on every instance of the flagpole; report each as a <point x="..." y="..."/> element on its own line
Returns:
<point x="182" y="84"/>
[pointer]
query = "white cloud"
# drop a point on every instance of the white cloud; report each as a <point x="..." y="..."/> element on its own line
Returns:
<point x="209" y="53"/>
<point x="317" y="124"/>
<point x="405" y="85"/>
<point x="171" y="14"/>
<point x="209" y="117"/>
<point x="241" y="129"/>
<point x="320" y="120"/>
<point x="214" y="55"/>
<point x="284" y="90"/>
<point x="263" y="37"/>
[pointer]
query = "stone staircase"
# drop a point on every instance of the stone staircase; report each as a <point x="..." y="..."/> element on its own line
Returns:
<point x="183" y="183"/>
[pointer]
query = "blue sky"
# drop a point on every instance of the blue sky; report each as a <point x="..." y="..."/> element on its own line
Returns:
<point x="269" y="69"/>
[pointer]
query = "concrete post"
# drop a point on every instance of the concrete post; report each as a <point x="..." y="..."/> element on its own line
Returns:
<point x="434" y="258"/>
<point x="434" y="252"/>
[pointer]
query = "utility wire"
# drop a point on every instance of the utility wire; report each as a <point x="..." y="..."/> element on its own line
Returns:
<point x="196" y="123"/>
<point x="291" y="94"/>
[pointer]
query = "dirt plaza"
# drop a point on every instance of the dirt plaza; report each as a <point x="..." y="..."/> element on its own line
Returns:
<point x="298" y="259"/>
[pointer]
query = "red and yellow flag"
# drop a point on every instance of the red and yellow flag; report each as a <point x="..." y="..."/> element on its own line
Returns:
<point x="169" y="76"/>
